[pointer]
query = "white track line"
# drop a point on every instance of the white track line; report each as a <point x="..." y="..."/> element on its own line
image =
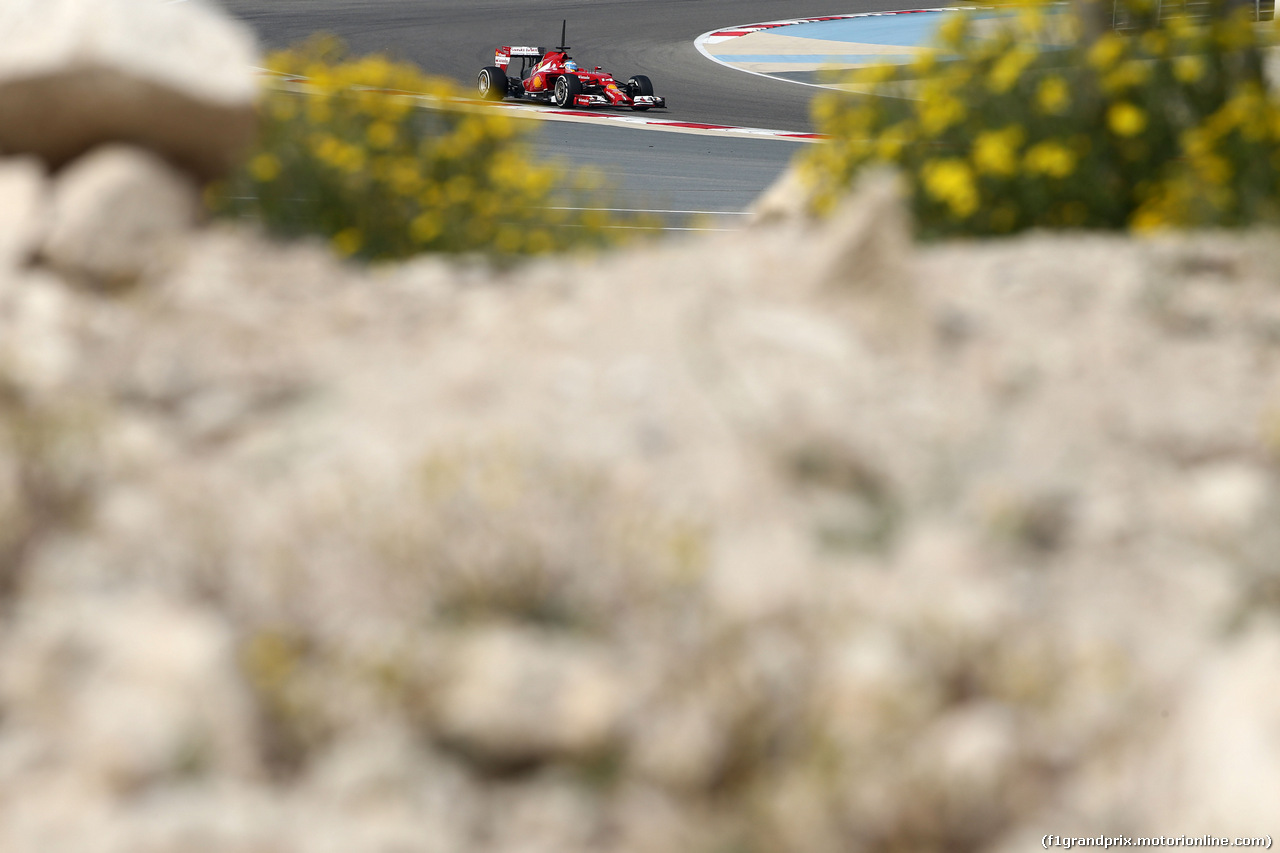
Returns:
<point x="701" y="41"/>
<point x="656" y="228"/>
<point x="650" y="210"/>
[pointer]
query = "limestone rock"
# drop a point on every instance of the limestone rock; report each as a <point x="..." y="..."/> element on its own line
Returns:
<point x="75" y="74"/>
<point x="119" y="213"/>
<point x="519" y="696"/>
<point x="870" y="237"/>
<point x="23" y="209"/>
<point x="37" y="335"/>
<point x="683" y="747"/>
<point x="654" y="550"/>
<point x="127" y="690"/>
<point x="787" y="198"/>
<point x="1218" y="763"/>
<point x="865" y="257"/>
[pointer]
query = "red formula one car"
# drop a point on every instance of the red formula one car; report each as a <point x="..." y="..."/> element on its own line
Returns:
<point x="553" y="77"/>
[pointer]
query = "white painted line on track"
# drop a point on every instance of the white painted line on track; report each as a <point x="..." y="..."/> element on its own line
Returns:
<point x="651" y="210"/>
<point x="723" y="34"/>
<point x="657" y="228"/>
<point x="694" y="128"/>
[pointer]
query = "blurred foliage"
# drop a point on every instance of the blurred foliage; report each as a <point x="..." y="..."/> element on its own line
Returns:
<point x="347" y="152"/>
<point x="1021" y="123"/>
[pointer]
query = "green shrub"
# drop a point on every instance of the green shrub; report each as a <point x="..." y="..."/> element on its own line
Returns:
<point x="348" y="153"/>
<point x="1171" y="125"/>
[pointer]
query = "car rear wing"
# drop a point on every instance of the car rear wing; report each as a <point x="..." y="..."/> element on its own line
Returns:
<point x="502" y="57"/>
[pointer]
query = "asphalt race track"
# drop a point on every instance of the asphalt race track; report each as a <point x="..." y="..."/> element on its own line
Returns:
<point x="676" y="173"/>
<point x="455" y="38"/>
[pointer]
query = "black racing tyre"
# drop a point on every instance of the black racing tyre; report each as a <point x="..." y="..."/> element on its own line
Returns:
<point x="639" y="85"/>
<point x="567" y="85"/>
<point x="492" y="83"/>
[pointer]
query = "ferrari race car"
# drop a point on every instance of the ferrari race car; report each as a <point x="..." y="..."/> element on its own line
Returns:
<point x="551" y="76"/>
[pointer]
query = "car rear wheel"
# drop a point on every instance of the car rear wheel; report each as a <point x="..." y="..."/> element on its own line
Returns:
<point x="567" y="86"/>
<point x="492" y="83"/>
<point x="639" y="85"/>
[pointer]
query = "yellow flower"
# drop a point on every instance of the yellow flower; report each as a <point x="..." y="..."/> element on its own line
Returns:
<point x="1180" y="26"/>
<point x="951" y="181"/>
<point x="1008" y="69"/>
<point x="873" y="74"/>
<point x="405" y="178"/>
<point x="953" y="31"/>
<point x="381" y="135"/>
<point x="1052" y="95"/>
<point x="370" y="71"/>
<point x="1197" y="142"/>
<point x="348" y="241"/>
<point x="1050" y="158"/>
<point x="1149" y="218"/>
<point x="925" y="62"/>
<point x="1188" y="69"/>
<point x="502" y="127"/>
<point x="458" y="189"/>
<point x="889" y="145"/>
<point x="1155" y="43"/>
<point x="320" y="76"/>
<point x="425" y="227"/>
<point x="957" y="74"/>
<point x="995" y="152"/>
<point x="1126" y="76"/>
<point x="859" y="119"/>
<point x="326" y="148"/>
<point x="940" y="112"/>
<point x="488" y="206"/>
<point x="1106" y="50"/>
<point x="1213" y="169"/>
<point x="347" y="158"/>
<point x="265" y="167"/>
<point x="826" y="108"/>
<point x="1246" y="110"/>
<point x="1125" y="119"/>
<point x="1031" y="20"/>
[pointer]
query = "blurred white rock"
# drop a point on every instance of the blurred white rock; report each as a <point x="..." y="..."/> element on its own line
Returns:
<point x="174" y="77"/>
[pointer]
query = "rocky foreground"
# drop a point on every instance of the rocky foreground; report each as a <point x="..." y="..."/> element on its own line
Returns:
<point x="802" y="538"/>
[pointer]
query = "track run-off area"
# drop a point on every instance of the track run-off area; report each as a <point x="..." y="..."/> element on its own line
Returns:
<point x="673" y="161"/>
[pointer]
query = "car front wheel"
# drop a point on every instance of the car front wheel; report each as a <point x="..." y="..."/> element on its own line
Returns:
<point x="567" y="87"/>
<point x="639" y="85"/>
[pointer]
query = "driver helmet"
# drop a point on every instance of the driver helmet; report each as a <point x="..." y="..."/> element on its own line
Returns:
<point x="571" y="66"/>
